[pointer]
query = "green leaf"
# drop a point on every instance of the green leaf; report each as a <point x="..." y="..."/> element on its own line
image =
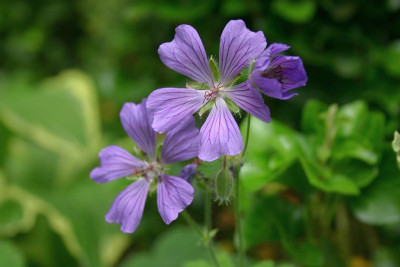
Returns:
<point x="174" y="248"/>
<point x="271" y="150"/>
<point x="62" y="116"/>
<point x="380" y="201"/>
<point x="295" y="11"/>
<point x="210" y="169"/>
<point x="10" y="255"/>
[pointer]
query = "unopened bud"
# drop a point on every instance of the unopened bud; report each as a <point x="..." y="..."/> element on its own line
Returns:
<point x="224" y="185"/>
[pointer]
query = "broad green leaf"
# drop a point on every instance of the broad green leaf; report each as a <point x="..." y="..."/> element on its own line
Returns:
<point x="380" y="201"/>
<point x="210" y="169"/>
<point x="62" y="116"/>
<point x="271" y="150"/>
<point x="174" y="248"/>
<point x="10" y="255"/>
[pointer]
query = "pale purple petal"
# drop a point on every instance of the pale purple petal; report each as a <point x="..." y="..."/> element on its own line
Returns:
<point x="186" y="55"/>
<point x="238" y="46"/>
<point x="181" y="143"/>
<point x="220" y="134"/>
<point x="293" y="73"/>
<point x="115" y="163"/>
<point x="188" y="172"/>
<point x="173" y="106"/>
<point x="249" y="99"/>
<point x="174" y="194"/>
<point x="127" y="208"/>
<point x="137" y="120"/>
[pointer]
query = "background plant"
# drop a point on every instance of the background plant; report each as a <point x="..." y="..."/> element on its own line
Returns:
<point x="321" y="189"/>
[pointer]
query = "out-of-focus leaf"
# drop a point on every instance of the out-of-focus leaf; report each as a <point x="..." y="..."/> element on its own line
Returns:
<point x="380" y="201"/>
<point x="396" y="147"/>
<point x="174" y="248"/>
<point x="209" y="169"/>
<point x="390" y="57"/>
<point x="10" y="255"/>
<point x="62" y="116"/>
<point x="295" y="11"/>
<point x="223" y="260"/>
<point x="272" y="149"/>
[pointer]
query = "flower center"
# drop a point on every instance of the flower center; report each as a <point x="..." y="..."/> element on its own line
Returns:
<point x="150" y="171"/>
<point x="274" y="72"/>
<point x="211" y="94"/>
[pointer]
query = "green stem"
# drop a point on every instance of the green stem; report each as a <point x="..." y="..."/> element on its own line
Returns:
<point x="210" y="243"/>
<point x="238" y="219"/>
<point x="204" y="236"/>
<point x="247" y="135"/>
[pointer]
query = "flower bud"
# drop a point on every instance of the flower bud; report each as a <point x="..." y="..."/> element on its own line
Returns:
<point x="224" y="185"/>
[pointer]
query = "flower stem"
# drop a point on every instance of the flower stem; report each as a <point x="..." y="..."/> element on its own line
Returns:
<point x="189" y="220"/>
<point x="238" y="218"/>
<point x="210" y="243"/>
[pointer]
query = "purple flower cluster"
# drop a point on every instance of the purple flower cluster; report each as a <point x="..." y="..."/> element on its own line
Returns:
<point x="171" y="110"/>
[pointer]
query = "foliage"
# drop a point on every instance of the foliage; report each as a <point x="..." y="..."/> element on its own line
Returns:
<point x="320" y="184"/>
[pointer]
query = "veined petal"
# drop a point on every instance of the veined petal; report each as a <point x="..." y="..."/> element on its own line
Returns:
<point x="186" y="55"/>
<point x="220" y="133"/>
<point x="293" y="73"/>
<point x="263" y="60"/>
<point x="181" y="143"/>
<point x="115" y="163"/>
<point x="173" y="106"/>
<point x="237" y="46"/>
<point x="137" y="120"/>
<point x="127" y="208"/>
<point x="174" y="194"/>
<point x="249" y="99"/>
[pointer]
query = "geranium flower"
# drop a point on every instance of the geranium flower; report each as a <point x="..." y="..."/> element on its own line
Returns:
<point x="174" y="194"/>
<point x="276" y="74"/>
<point x="216" y="91"/>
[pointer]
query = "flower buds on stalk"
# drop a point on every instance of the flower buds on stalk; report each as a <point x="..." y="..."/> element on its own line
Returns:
<point x="224" y="185"/>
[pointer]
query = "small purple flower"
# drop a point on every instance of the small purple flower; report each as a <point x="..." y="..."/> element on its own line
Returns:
<point x="220" y="133"/>
<point x="276" y="75"/>
<point x="174" y="194"/>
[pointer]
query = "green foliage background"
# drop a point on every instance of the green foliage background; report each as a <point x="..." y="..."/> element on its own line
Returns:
<point x="321" y="186"/>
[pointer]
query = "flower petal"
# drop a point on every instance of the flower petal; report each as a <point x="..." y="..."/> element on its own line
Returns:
<point x="174" y="194"/>
<point x="115" y="163"/>
<point x="136" y="120"/>
<point x="188" y="172"/>
<point x="294" y="75"/>
<point x="181" y="143"/>
<point x="238" y="45"/>
<point x="173" y="106"/>
<point x="186" y="55"/>
<point x="273" y="49"/>
<point x="127" y="208"/>
<point x="250" y="100"/>
<point x="220" y="134"/>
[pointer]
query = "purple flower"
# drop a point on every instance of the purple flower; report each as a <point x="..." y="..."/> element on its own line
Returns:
<point x="220" y="133"/>
<point x="276" y="75"/>
<point x="174" y="194"/>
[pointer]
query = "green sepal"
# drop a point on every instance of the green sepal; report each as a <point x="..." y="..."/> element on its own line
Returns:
<point x="232" y="106"/>
<point x="224" y="186"/>
<point x="237" y="77"/>
<point x="197" y="85"/>
<point x="214" y="69"/>
<point x="206" y="107"/>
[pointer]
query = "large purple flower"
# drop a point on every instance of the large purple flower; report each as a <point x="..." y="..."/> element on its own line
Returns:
<point x="220" y="133"/>
<point x="276" y="74"/>
<point x="174" y="194"/>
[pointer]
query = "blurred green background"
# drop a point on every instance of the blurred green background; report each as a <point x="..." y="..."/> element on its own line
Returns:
<point x="323" y="189"/>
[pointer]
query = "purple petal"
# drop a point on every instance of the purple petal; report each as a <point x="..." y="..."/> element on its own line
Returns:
<point x="173" y="106"/>
<point x="127" y="208"/>
<point x="250" y="100"/>
<point x="238" y="45"/>
<point x="220" y="134"/>
<point x="294" y="75"/>
<point x="181" y="143"/>
<point x="136" y="120"/>
<point x="186" y="55"/>
<point x="271" y="51"/>
<point x="174" y="194"/>
<point x="188" y="172"/>
<point x="115" y="163"/>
